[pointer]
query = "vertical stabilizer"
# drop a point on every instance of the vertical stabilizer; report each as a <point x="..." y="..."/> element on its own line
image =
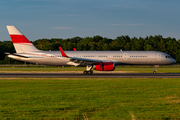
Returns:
<point x="20" y="42"/>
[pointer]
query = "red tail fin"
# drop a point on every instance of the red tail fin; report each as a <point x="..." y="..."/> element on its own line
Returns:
<point x="20" y="42"/>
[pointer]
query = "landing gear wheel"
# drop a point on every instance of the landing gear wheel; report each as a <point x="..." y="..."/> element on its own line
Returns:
<point x="85" y="72"/>
<point x="88" y="72"/>
<point x="155" y="69"/>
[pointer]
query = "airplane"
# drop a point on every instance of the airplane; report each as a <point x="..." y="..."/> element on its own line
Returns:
<point x="99" y="60"/>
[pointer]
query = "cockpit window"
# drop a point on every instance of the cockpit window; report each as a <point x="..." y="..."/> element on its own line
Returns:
<point x="167" y="56"/>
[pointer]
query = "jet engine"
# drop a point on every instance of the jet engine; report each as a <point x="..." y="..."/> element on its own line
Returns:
<point x="105" y="66"/>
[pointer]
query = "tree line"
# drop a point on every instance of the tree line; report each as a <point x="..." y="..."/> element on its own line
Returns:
<point x="168" y="45"/>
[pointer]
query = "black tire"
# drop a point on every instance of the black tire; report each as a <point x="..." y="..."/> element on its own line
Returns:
<point x="90" y="72"/>
<point x="85" y="72"/>
<point x="154" y="72"/>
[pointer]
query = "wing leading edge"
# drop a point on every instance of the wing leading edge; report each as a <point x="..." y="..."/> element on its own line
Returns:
<point x="80" y="60"/>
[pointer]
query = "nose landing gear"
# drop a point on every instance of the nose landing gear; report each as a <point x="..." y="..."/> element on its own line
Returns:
<point x="155" y="69"/>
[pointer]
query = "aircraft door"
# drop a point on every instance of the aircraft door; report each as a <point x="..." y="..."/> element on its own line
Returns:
<point x="125" y="56"/>
<point x="158" y="56"/>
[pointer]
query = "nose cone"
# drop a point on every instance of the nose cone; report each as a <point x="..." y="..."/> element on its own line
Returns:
<point x="173" y="61"/>
<point x="170" y="61"/>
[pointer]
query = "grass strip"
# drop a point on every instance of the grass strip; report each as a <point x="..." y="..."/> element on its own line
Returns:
<point x="86" y="98"/>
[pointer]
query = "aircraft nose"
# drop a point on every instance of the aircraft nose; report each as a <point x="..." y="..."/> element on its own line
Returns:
<point x="173" y="61"/>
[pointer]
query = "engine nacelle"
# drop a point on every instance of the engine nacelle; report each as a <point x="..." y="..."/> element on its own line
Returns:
<point x="106" y="66"/>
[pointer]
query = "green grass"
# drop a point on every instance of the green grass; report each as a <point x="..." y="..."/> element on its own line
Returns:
<point x="81" y="98"/>
<point x="127" y="69"/>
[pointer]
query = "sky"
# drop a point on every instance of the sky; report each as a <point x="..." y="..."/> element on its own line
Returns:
<point x="38" y="19"/>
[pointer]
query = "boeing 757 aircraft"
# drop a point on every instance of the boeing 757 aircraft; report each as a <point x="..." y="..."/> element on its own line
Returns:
<point x="99" y="60"/>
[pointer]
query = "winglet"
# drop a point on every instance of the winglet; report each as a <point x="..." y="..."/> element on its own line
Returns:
<point x="62" y="52"/>
<point x="74" y="49"/>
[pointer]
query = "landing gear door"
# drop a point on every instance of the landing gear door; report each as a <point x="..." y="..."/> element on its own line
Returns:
<point x="158" y="56"/>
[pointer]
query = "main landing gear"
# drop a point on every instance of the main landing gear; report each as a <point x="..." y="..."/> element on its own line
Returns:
<point x="88" y="70"/>
<point x="155" y="69"/>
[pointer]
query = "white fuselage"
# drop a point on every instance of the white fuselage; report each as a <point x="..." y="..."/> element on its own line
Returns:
<point x="118" y="57"/>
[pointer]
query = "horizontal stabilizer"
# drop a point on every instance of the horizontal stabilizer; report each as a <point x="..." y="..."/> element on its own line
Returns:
<point x="16" y="55"/>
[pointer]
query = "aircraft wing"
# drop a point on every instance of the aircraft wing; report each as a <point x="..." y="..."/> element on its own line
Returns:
<point x="76" y="59"/>
<point x="80" y="60"/>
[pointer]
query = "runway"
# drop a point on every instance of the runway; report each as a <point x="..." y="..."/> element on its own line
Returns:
<point x="95" y="75"/>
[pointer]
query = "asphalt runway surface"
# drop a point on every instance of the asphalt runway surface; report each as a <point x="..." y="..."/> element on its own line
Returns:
<point x="95" y="75"/>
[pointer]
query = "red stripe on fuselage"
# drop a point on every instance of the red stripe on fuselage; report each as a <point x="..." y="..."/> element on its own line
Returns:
<point x="19" y="39"/>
